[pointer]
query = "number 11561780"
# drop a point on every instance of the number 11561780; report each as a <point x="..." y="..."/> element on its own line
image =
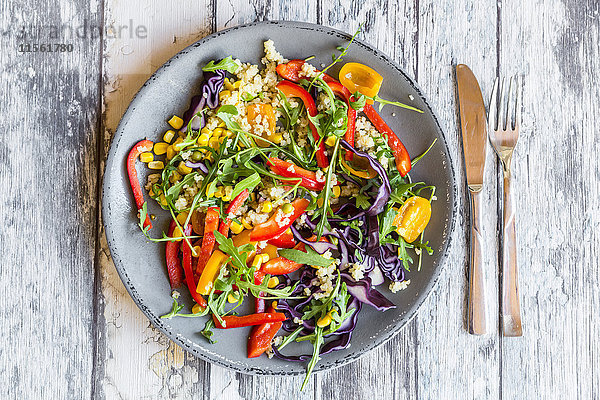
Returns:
<point x="45" y="48"/>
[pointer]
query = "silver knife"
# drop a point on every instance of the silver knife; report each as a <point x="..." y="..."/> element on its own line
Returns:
<point x="474" y="136"/>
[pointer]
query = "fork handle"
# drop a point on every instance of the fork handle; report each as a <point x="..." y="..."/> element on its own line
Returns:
<point x="476" y="301"/>
<point x="511" y="310"/>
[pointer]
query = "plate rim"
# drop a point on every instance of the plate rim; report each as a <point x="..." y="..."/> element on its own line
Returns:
<point x="381" y="340"/>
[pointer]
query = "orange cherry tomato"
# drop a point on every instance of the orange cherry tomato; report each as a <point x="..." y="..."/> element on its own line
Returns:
<point x="262" y="119"/>
<point x="359" y="77"/>
<point x="412" y="218"/>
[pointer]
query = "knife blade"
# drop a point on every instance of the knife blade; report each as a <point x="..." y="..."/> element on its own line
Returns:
<point x="474" y="135"/>
<point x="473" y="124"/>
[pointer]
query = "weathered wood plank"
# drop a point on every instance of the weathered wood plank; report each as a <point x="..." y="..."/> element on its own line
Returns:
<point x="452" y="363"/>
<point x="389" y="371"/>
<point x="48" y="158"/>
<point x="134" y="359"/>
<point x="556" y="181"/>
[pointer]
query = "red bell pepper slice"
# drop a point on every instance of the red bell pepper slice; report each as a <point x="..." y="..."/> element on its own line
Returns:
<point x="233" y="321"/>
<point x="291" y="170"/>
<point x="403" y="163"/>
<point x="259" y="303"/>
<point x="345" y="94"/>
<point x="261" y="337"/>
<point x="211" y="224"/>
<point x="284" y="241"/>
<point x="187" y="268"/>
<point x="290" y="89"/>
<point x="173" y="265"/>
<point x="271" y="229"/>
<point x="233" y="207"/>
<point x="291" y="71"/>
<point x="140" y="147"/>
<point x="280" y="266"/>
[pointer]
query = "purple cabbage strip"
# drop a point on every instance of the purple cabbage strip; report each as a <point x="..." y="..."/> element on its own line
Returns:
<point x="198" y="165"/>
<point x="365" y="293"/>
<point x="383" y="194"/>
<point x="376" y="276"/>
<point x="209" y="96"/>
<point x="319" y="247"/>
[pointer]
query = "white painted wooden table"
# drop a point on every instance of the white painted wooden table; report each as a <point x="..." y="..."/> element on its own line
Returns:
<point x="70" y="330"/>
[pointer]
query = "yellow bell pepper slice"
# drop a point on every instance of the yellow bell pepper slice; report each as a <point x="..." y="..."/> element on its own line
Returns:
<point x="211" y="271"/>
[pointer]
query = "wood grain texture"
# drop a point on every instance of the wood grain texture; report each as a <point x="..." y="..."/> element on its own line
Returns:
<point x="135" y="360"/>
<point x="48" y="157"/>
<point x="556" y="181"/>
<point x="62" y="109"/>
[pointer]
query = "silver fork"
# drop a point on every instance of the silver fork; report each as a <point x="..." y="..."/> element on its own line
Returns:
<point x="503" y="128"/>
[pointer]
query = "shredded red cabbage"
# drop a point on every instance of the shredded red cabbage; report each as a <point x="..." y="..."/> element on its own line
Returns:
<point x="209" y="96"/>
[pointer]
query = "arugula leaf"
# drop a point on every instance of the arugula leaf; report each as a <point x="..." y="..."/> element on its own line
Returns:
<point x="249" y="183"/>
<point x="386" y="223"/>
<point x="383" y="102"/>
<point x="362" y="201"/>
<point x="317" y="343"/>
<point x="207" y="331"/>
<point x="226" y="64"/>
<point x="248" y="97"/>
<point x="239" y="255"/>
<point x="359" y="102"/>
<point x="309" y="257"/>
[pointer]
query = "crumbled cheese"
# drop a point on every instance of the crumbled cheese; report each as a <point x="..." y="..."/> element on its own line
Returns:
<point x="297" y="320"/>
<point x="180" y="203"/>
<point x="396" y="286"/>
<point x="320" y="176"/>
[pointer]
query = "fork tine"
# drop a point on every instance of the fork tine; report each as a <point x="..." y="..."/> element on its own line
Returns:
<point x="511" y="108"/>
<point x="493" y="110"/>
<point x="503" y="110"/>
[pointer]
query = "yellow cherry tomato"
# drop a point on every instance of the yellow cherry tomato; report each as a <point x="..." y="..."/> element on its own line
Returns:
<point x="262" y="119"/>
<point x="412" y="218"/>
<point x="359" y="77"/>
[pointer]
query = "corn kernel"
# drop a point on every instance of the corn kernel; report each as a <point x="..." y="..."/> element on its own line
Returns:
<point x="156" y="165"/>
<point x="273" y="281"/>
<point x="171" y="152"/>
<point x="221" y="124"/>
<point x="183" y="169"/>
<point x="330" y="141"/>
<point x="203" y="140"/>
<point x="231" y="298"/>
<point x="264" y="257"/>
<point x="168" y="136"/>
<point x="152" y="217"/>
<point x="206" y="131"/>
<point x="228" y="84"/>
<point x="227" y="192"/>
<point x="222" y="139"/>
<point x="224" y="94"/>
<point x="175" y="177"/>
<point x="236" y="228"/>
<point x="218" y="131"/>
<point x="246" y="224"/>
<point x="228" y="133"/>
<point x="320" y="202"/>
<point x="277" y="138"/>
<point x="196" y="309"/>
<point x="219" y="192"/>
<point x="146" y="157"/>
<point x="163" y="200"/>
<point x="214" y="143"/>
<point x="336" y="191"/>
<point x="176" y="122"/>
<point x="267" y="207"/>
<point x="257" y="262"/>
<point x="207" y="194"/>
<point x="160" y="148"/>
<point x="196" y="251"/>
<point x="177" y="144"/>
<point x="182" y="217"/>
<point x="178" y="233"/>
<point x="324" y="321"/>
<point x="274" y="304"/>
<point x="237" y="84"/>
<point x="182" y="135"/>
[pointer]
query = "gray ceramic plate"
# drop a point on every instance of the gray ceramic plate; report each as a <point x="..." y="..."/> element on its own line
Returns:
<point x="141" y="264"/>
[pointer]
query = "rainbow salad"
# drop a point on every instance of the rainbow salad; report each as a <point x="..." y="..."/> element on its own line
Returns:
<point x="286" y="189"/>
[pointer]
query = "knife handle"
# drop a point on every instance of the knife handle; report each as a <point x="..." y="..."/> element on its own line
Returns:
<point x="511" y="310"/>
<point x="476" y="300"/>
